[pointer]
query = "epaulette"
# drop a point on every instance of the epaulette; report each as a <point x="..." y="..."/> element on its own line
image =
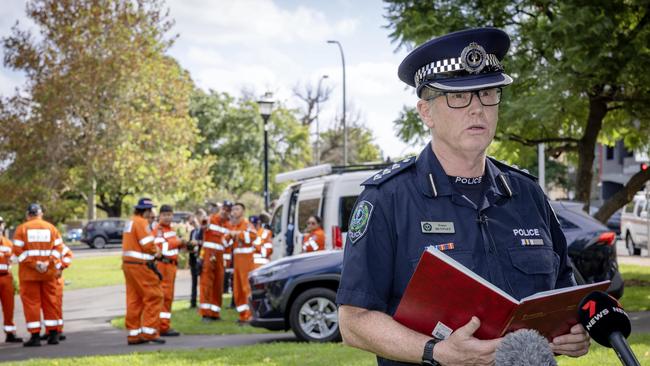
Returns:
<point x="513" y="168"/>
<point x="389" y="172"/>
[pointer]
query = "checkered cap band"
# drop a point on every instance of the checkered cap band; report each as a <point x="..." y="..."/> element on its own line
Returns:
<point x="451" y="65"/>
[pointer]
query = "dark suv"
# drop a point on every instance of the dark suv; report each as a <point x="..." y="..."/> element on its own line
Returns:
<point x="299" y="292"/>
<point x="99" y="233"/>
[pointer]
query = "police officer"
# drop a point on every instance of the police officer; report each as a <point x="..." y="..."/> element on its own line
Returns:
<point x="490" y="217"/>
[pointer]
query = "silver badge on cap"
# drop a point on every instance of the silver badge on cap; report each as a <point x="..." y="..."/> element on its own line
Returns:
<point x="473" y="58"/>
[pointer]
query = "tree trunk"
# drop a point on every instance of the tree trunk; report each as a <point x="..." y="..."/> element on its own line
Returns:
<point x="112" y="205"/>
<point x="622" y="197"/>
<point x="586" y="147"/>
<point x="92" y="214"/>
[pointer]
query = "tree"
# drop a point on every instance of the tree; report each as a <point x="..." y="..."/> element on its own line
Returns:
<point x="233" y="135"/>
<point x="578" y="68"/>
<point x="312" y="98"/>
<point x="361" y="148"/>
<point x="112" y="106"/>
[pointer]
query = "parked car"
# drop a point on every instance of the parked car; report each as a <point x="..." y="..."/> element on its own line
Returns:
<point x="635" y="224"/>
<point x="99" y="233"/>
<point x="298" y="292"/>
<point x="614" y="221"/>
<point x="180" y="216"/>
<point x="592" y="246"/>
<point x="73" y="234"/>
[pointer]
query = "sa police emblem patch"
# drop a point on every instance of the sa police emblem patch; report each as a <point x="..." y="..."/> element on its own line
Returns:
<point x="360" y="220"/>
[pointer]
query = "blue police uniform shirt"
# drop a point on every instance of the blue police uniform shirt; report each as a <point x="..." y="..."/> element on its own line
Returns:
<point x="512" y="238"/>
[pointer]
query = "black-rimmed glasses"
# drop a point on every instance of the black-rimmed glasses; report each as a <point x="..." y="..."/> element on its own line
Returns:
<point x="461" y="99"/>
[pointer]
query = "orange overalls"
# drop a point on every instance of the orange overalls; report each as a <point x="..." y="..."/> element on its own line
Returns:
<point x="66" y="260"/>
<point x="37" y="241"/>
<point x="213" y="270"/>
<point x="263" y="247"/>
<point x="314" y="241"/>
<point x="144" y="295"/>
<point x="7" y="285"/>
<point x="242" y="252"/>
<point x="169" y="245"/>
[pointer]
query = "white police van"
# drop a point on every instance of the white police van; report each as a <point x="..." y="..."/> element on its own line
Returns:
<point x="324" y="190"/>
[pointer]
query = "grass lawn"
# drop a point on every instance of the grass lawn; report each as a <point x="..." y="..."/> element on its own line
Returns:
<point x="94" y="272"/>
<point x="602" y="356"/>
<point x="636" y="295"/>
<point x="188" y="321"/>
<point x="289" y="353"/>
<point x="90" y="272"/>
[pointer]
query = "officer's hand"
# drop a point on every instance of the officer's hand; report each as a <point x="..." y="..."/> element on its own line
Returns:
<point x="462" y="348"/>
<point x="575" y="343"/>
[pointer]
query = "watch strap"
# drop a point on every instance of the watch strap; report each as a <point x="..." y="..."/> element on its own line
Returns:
<point x="427" y="355"/>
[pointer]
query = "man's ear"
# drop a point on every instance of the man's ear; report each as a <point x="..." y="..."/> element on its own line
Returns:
<point x="424" y="110"/>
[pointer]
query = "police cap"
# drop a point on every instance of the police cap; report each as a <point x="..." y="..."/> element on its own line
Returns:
<point x="461" y="61"/>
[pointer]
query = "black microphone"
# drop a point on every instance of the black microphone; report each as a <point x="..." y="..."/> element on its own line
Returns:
<point x="524" y="347"/>
<point x="608" y="324"/>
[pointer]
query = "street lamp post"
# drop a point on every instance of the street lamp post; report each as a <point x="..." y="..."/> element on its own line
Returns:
<point x="345" y="129"/>
<point x="318" y="118"/>
<point x="266" y="107"/>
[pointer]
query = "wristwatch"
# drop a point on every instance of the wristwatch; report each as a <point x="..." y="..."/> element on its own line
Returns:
<point x="427" y="356"/>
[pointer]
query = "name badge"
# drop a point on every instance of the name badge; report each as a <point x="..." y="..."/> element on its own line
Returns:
<point x="433" y="227"/>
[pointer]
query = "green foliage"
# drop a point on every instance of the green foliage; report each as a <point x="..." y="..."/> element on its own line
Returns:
<point x="361" y="148"/>
<point x="233" y="135"/>
<point x="103" y="104"/>
<point x="579" y="69"/>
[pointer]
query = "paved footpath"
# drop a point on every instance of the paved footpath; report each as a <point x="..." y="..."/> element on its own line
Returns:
<point x="87" y="315"/>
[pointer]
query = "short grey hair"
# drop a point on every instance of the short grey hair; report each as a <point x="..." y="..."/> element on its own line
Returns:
<point x="428" y="93"/>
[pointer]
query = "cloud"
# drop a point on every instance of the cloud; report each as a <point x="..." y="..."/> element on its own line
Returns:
<point x="245" y="22"/>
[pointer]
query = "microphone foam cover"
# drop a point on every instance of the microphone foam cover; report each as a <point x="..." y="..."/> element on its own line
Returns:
<point x="524" y="347"/>
<point x="601" y="315"/>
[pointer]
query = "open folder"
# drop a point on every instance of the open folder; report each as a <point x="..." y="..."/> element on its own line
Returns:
<point x="443" y="295"/>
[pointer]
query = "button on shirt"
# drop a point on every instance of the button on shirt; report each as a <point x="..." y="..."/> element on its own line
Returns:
<point x="511" y="238"/>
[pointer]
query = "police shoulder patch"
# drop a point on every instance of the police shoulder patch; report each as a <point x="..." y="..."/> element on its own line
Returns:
<point x="360" y="220"/>
<point x="389" y="172"/>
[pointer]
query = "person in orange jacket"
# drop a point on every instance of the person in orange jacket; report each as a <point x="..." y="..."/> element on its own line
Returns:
<point x="37" y="245"/>
<point x="7" y="289"/>
<point x="241" y="237"/>
<point x="66" y="260"/>
<point x="263" y="243"/>
<point x="144" y="295"/>
<point x="169" y="244"/>
<point x="314" y="239"/>
<point x="212" y="274"/>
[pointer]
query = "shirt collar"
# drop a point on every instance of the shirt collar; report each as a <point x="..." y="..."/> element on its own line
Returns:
<point x="433" y="181"/>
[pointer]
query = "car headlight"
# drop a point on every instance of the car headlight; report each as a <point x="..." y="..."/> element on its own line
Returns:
<point x="264" y="273"/>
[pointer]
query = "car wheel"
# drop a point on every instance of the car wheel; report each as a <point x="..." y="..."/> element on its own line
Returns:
<point x="99" y="242"/>
<point x="314" y="316"/>
<point x="629" y="243"/>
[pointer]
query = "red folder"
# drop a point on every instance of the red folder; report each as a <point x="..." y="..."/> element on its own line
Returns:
<point x="443" y="295"/>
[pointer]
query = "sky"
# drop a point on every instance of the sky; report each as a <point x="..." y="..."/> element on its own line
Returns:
<point x="273" y="45"/>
